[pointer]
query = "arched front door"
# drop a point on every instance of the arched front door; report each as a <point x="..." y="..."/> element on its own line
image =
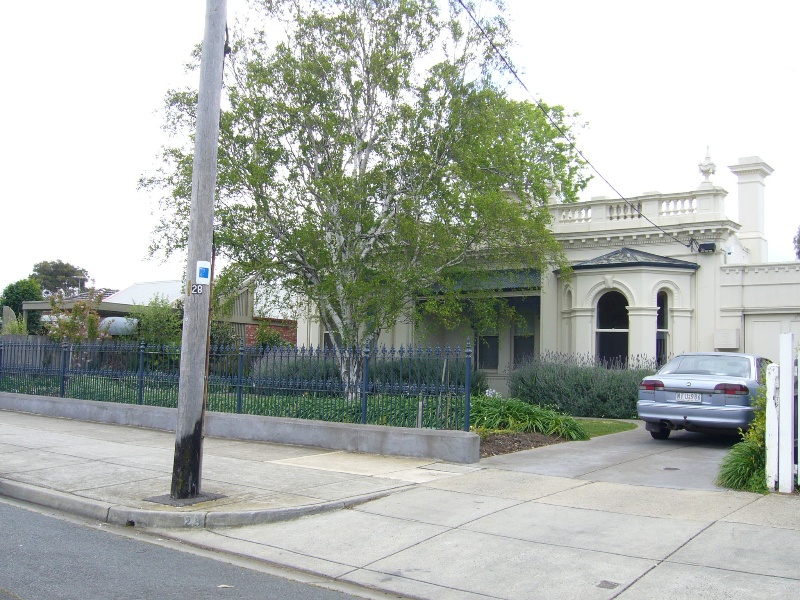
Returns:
<point x="612" y="328"/>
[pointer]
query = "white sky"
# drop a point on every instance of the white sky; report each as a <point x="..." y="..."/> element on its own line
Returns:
<point x="657" y="83"/>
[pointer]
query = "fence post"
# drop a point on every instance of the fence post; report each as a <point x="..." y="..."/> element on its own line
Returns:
<point x="786" y="418"/>
<point x="240" y="382"/>
<point x="63" y="389"/>
<point x="1" y="359"/>
<point x="140" y="375"/>
<point x="467" y="383"/>
<point x="364" y="378"/>
<point x="772" y="419"/>
<point x="796" y="407"/>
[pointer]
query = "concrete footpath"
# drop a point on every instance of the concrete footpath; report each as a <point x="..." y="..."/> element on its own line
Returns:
<point x="618" y="516"/>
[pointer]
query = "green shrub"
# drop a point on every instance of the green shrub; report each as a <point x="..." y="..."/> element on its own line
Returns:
<point x="285" y="368"/>
<point x="268" y="336"/>
<point x="157" y="322"/>
<point x="745" y="465"/>
<point x="16" y="326"/>
<point x="478" y="383"/>
<point x="516" y="416"/>
<point x="581" y="386"/>
<point x="223" y="334"/>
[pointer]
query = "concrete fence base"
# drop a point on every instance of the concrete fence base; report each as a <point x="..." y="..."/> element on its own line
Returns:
<point x="451" y="446"/>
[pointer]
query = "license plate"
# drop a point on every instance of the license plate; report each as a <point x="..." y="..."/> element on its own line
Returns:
<point x="688" y="397"/>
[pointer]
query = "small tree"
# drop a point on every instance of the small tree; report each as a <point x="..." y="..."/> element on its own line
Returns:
<point x="365" y="155"/>
<point x="16" y="293"/>
<point x="81" y="323"/>
<point x="157" y="322"/>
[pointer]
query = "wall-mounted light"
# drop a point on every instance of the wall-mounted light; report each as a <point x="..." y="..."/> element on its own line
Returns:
<point x="707" y="248"/>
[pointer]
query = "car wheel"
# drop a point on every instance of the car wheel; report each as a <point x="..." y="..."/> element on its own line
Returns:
<point x="661" y="434"/>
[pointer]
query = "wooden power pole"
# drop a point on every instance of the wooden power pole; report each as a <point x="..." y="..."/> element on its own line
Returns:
<point x="194" y="344"/>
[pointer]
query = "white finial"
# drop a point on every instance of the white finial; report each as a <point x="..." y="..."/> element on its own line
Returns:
<point x="554" y="187"/>
<point x="707" y="168"/>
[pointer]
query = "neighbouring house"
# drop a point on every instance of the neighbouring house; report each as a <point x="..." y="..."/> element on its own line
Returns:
<point x="652" y="277"/>
<point x="115" y="305"/>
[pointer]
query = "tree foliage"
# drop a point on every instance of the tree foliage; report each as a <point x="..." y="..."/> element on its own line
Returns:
<point x="81" y="323"/>
<point x="20" y="291"/>
<point x="268" y="336"/>
<point x="16" y="293"/>
<point x="57" y="276"/>
<point x="157" y="322"/>
<point x="796" y="242"/>
<point x="367" y="155"/>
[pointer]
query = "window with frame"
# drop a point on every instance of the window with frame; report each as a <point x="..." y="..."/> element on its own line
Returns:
<point x="662" y="327"/>
<point x="524" y="328"/>
<point x="612" y="329"/>
<point x="487" y="352"/>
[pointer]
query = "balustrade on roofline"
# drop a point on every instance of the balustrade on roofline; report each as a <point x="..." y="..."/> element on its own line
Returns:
<point x="687" y="207"/>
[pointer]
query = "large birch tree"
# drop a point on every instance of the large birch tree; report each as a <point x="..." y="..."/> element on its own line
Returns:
<point x="367" y="153"/>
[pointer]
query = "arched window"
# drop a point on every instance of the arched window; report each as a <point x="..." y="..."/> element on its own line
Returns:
<point x="612" y="328"/>
<point x="662" y="327"/>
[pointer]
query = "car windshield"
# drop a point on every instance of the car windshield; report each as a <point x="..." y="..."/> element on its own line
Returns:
<point x="705" y="364"/>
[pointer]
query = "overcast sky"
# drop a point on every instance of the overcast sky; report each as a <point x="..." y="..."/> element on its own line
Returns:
<point x="656" y="82"/>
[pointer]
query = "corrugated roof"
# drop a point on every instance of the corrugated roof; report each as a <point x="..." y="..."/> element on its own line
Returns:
<point x="143" y="293"/>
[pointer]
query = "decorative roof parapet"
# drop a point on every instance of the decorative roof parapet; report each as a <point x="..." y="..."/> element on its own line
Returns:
<point x="600" y="215"/>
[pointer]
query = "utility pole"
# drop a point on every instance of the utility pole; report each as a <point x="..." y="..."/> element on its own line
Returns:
<point x="194" y="343"/>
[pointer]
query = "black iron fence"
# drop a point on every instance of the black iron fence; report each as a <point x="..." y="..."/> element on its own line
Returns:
<point x="404" y="387"/>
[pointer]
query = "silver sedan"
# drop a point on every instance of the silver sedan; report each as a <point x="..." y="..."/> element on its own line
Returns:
<point x="701" y="391"/>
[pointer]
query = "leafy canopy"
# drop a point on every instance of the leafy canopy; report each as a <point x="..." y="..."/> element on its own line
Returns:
<point x="21" y="291"/>
<point x="57" y="276"/>
<point x="157" y="322"/>
<point x="367" y="154"/>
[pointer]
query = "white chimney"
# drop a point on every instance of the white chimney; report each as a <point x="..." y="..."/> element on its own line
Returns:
<point x="751" y="172"/>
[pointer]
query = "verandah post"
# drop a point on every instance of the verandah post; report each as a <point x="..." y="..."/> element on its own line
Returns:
<point x="467" y="383"/>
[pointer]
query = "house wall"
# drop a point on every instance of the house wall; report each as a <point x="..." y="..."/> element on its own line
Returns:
<point x="310" y="332"/>
<point x="758" y="302"/>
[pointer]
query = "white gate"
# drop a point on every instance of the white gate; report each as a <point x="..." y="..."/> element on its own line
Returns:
<point x="783" y="418"/>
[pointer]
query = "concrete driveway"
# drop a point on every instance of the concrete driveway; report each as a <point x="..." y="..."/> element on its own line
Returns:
<point x="688" y="461"/>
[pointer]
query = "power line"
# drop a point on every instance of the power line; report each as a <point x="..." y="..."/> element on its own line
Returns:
<point x="508" y="65"/>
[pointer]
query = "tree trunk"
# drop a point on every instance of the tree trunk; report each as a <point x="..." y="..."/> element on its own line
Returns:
<point x="351" y="370"/>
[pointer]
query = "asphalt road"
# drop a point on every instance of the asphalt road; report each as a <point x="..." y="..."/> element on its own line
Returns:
<point x="47" y="558"/>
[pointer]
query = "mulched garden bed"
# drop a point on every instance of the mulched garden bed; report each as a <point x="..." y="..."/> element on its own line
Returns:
<point x="505" y="443"/>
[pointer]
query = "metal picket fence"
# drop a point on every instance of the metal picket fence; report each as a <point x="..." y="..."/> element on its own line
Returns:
<point x="405" y="387"/>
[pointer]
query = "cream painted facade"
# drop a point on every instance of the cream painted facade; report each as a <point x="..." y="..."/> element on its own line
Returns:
<point x="684" y="277"/>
